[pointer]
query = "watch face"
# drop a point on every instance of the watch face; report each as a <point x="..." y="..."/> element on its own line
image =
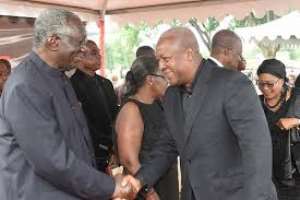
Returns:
<point x="145" y="188"/>
<point x="143" y="192"/>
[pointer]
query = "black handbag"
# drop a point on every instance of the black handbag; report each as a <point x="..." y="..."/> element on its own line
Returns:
<point x="295" y="135"/>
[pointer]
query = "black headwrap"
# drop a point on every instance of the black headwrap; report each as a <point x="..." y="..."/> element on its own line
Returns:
<point x="274" y="67"/>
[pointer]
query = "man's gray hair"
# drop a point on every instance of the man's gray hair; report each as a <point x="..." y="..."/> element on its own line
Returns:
<point x="54" y="21"/>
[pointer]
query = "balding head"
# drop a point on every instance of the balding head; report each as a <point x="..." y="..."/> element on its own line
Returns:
<point x="224" y="39"/>
<point x="227" y="48"/>
<point x="178" y="53"/>
<point x="182" y="37"/>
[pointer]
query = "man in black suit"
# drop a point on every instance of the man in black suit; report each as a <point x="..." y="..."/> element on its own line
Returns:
<point x="216" y="125"/>
<point x="226" y="50"/>
<point x="98" y="101"/>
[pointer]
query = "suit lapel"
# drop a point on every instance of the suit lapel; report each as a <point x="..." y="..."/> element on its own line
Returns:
<point x="77" y="110"/>
<point x="198" y="96"/>
<point x="177" y="114"/>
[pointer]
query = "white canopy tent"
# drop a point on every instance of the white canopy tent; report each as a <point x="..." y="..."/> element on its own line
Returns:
<point x="285" y="27"/>
<point x="124" y="11"/>
<point x="132" y="11"/>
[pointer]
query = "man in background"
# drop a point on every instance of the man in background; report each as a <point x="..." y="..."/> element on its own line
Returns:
<point x="144" y="51"/>
<point x="98" y="100"/>
<point x="5" y="69"/>
<point x="226" y="50"/>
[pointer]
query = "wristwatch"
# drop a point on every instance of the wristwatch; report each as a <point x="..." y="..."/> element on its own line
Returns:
<point x="145" y="189"/>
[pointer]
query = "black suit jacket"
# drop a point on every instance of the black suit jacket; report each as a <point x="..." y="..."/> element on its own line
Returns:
<point x="224" y="146"/>
<point x="99" y="104"/>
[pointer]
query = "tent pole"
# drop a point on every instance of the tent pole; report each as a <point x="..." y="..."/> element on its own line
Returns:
<point x="101" y="26"/>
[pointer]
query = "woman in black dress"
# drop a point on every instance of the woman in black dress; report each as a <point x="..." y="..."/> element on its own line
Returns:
<point x="276" y="100"/>
<point x="139" y="122"/>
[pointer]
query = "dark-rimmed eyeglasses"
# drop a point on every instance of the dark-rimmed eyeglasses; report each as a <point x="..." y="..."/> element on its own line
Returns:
<point x="268" y="84"/>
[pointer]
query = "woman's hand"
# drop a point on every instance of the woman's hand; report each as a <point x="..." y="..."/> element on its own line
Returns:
<point x="287" y="123"/>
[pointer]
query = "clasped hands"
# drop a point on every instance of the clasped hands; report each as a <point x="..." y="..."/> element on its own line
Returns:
<point x="127" y="188"/>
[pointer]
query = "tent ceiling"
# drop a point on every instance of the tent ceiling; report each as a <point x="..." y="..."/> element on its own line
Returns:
<point x="203" y="9"/>
<point x="123" y="11"/>
<point x="118" y="6"/>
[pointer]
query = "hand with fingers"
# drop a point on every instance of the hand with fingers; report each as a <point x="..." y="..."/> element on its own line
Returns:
<point x="287" y="123"/>
<point x="126" y="187"/>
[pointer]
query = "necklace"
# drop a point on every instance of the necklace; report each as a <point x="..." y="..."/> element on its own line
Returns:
<point x="274" y="106"/>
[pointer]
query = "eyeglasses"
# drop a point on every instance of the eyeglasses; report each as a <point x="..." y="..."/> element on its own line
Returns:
<point x="158" y="75"/>
<point x="269" y="85"/>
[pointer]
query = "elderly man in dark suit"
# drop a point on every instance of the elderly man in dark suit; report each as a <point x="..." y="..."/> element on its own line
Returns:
<point x="216" y="125"/>
<point x="45" y="148"/>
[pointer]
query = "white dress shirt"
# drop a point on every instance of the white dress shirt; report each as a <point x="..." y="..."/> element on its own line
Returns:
<point x="216" y="61"/>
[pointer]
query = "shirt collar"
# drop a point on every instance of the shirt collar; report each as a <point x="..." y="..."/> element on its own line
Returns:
<point x="84" y="76"/>
<point x="189" y="91"/>
<point x="216" y="61"/>
<point x="34" y="57"/>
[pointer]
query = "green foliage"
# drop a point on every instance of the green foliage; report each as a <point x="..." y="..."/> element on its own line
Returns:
<point x="252" y="20"/>
<point x="175" y="23"/>
<point x="205" y="29"/>
<point x="211" y="24"/>
<point x="120" y="48"/>
<point x="121" y="45"/>
<point x="294" y="54"/>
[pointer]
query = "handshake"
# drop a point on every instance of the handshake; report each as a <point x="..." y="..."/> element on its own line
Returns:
<point x="127" y="188"/>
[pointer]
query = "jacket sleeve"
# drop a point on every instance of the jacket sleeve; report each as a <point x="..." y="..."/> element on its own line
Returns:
<point x="31" y="115"/>
<point x="294" y="108"/>
<point x="113" y="98"/>
<point x="163" y="156"/>
<point x="247" y="119"/>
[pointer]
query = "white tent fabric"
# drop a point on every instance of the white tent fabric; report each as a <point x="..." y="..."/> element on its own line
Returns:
<point x="124" y="11"/>
<point x="285" y="27"/>
<point x="204" y="9"/>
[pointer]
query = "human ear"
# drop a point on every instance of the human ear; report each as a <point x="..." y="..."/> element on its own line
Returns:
<point x="226" y="51"/>
<point x="149" y="80"/>
<point x="190" y="54"/>
<point x="52" y="43"/>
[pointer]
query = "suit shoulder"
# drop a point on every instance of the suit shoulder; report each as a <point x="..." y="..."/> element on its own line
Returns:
<point x="28" y="78"/>
<point x="103" y="79"/>
<point x="25" y="73"/>
<point x="230" y="75"/>
<point x="108" y="84"/>
<point x="171" y="91"/>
